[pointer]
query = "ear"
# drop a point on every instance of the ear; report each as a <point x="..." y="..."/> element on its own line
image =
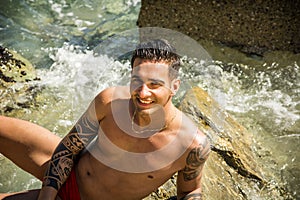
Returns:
<point x="175" y="84"/>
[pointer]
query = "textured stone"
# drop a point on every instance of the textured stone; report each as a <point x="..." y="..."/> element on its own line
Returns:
<point x="15" y="74"/>
<point x="253" y="27"/>
<point x="14" y="68"/>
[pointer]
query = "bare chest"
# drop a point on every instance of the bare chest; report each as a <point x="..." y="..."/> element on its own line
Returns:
<point x="99" y="180"/>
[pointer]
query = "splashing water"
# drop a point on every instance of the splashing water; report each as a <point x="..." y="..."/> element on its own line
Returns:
<point x="266" y="102"/>
<point x="76" y="76"/>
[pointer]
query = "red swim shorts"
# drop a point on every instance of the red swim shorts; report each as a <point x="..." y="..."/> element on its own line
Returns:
<point x="69" y="190"/>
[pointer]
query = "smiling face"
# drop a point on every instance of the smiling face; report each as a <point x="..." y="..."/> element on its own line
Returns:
<point x="151" y="87"/>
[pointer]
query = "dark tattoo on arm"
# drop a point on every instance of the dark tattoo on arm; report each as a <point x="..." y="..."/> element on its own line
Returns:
<point x="196" y="196"/>
<point x="67" y="151"/>
<point x="195" y="161"/>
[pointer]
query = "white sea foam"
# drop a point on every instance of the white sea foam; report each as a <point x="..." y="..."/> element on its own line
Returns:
<point x="276" y="107"/>
<point x="80" y="75"/>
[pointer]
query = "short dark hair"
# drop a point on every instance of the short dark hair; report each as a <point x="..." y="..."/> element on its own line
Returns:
<point x="158" y="50"/>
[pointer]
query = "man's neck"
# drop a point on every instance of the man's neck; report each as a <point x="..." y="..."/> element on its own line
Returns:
<point x="153" y="122"/>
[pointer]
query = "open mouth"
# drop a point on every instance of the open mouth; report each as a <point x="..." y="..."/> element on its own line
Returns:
<point x="144" y="102"/>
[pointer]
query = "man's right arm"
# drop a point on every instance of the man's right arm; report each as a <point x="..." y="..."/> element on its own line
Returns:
<point x="67" y="152"/>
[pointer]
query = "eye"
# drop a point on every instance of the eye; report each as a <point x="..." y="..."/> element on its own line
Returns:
<point x="154" y="84"/>
<point x="136" y="81"/>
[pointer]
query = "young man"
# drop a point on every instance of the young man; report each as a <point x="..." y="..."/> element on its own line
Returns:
<point x="129" y="141"/>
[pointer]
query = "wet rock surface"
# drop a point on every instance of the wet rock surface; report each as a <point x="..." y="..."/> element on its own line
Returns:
<point x="14" y="68"/>
<point x="253" y="27"/>
<point x="232" y="166"/>
<point x="15" y="73"/>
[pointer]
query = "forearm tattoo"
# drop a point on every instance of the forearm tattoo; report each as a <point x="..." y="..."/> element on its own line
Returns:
<point x="195" y="161"/>
<point x="67" y="151"/>
<point x="196" y="196"/>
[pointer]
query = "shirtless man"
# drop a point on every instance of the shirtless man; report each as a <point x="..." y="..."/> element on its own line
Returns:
<point x="130" y="140"/>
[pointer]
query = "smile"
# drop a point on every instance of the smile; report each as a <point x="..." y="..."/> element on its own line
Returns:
<point x="144" y="101"/>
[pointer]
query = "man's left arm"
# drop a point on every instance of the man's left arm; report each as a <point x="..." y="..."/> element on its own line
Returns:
<point x="189" y="178"/>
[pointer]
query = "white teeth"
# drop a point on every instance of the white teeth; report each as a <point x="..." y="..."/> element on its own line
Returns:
<point x="145" y="101"/>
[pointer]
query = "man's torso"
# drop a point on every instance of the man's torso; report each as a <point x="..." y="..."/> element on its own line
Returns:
<point x="121" y="164"/>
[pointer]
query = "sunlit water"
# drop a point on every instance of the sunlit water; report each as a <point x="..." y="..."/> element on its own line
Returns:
<point x="58" y="38"/>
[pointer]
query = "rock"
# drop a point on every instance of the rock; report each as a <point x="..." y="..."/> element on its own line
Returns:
<point x="14" y="68"/>
<point x="233" y="171"/>
<point x="254" y="27"/>
<point x="15" y="72"/>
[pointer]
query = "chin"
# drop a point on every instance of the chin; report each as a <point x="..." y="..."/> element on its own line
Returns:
<point x="156" y="109"/>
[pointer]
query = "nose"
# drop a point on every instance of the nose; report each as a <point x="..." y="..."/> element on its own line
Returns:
<point x="144" y="91"/>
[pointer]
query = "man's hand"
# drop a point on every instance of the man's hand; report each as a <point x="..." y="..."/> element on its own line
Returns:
<point x="194" y="196"/>
<point x="47" y="193"/>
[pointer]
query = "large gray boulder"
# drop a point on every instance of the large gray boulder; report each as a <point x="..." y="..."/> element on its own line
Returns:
<point x="254" y="27"/>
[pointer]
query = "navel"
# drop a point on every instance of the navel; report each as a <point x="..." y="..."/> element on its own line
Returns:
<point x="150" y="176"/>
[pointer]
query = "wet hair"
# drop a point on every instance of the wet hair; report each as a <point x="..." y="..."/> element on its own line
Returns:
<point x="158" y="50"/>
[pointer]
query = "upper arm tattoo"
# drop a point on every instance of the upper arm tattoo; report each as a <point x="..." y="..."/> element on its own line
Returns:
<point x="66" y="153"/>
<point x="195" y="161"/>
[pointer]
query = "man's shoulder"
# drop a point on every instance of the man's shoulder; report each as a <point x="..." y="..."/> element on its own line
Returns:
<point x="112" y="93"/>
<point x="187" y="124"/>
<point x="191" y="130"/>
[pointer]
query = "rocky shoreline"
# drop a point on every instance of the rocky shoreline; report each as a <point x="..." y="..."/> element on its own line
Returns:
<point x="231" y="161"/>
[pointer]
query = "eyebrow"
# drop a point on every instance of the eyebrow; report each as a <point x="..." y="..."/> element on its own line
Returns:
<point x="157" y="80"/>
<point x="151" y="79"/>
